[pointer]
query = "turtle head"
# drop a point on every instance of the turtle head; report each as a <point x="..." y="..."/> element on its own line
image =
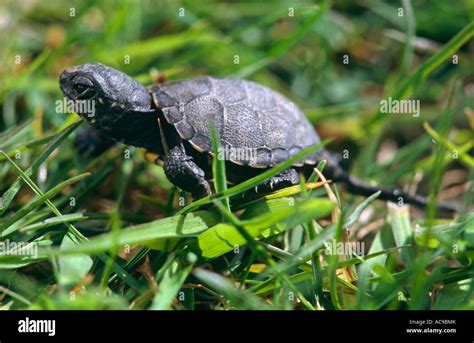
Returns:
<point x="103" y="95"/>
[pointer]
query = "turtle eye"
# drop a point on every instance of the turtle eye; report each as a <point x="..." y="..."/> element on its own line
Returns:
<point x="83" y="87"/>
<point x="80" y="88"/>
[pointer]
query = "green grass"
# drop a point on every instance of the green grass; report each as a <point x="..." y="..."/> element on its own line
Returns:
<point x="111" y="232"/>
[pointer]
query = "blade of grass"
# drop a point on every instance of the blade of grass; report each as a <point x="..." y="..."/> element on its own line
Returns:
<point x="72" y="267"/>
<point x="284" y="45"/>
<point x="75" y="235"/>
<point x="251" y="183"/>
<point x="38" y="202"/>
<point x="53" y="144"/>
<point x="464" y="158"/>
<point x="72" y="217"/>
<point x="410" y="34"/>
<point x="402" y="231"/>
<point x="171" y="283"/>
<point x="333" y="261"/>
<point x="239" y="299"/>
<point x="359" y="209"/>
<point x="218" y="167"/>
<point x="223" y="238"/>
<point x="405" y="88"/>
<point x="115" y="219"/>
<point x="260" y="251"/>
<point x="180" y="226"/>
<point x="445" y="123"/>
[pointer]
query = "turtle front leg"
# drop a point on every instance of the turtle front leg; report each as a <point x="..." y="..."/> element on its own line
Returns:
<point x="286" y="178"/>
<point x="91" y="143"/>
<point x="181" y="170"/>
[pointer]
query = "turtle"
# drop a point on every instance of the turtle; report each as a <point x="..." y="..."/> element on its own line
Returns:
<point x="91" y="143"/>
<point x="258" y="127"/>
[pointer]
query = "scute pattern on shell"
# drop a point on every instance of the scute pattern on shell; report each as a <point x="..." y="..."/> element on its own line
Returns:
<point x="247" y="115"/>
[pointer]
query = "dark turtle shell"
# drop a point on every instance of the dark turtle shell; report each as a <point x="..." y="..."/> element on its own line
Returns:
<point x="246" y="115"/>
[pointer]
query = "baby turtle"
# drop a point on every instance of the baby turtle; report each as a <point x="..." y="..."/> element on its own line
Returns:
<point x="258" y="128"/>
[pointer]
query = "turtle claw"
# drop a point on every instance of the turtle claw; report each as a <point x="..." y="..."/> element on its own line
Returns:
<point x="285" y="179"/>
<point x="182" y="171"/>
<point x="90" y="143"/>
